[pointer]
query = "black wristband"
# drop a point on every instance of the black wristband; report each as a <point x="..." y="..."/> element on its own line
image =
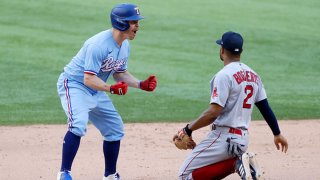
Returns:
<point x="187" y="130"/>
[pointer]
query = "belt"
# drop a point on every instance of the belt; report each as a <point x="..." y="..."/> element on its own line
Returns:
<point x="227" y="129"/>
<point x="235" y="131"/>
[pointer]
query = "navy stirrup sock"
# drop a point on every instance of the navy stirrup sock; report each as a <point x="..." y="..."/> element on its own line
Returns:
<point x="70" y="147"/>
<point x="111" y="152"/>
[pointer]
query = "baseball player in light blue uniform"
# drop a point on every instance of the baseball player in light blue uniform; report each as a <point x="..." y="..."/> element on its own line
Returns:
<point x="82" y="88"/>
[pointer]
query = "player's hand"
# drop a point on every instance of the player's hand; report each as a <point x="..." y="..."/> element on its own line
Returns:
<point x="281" y="142"/>
<point x="120" y="88"/>
<point x="149" y="84"/>
<point x="183" y="141"/>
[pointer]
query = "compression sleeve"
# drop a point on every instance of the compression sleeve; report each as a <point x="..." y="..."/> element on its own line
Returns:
<point x="268" y="115"/>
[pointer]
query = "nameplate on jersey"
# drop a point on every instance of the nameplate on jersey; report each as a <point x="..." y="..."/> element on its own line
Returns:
<point x="245" y="76"/>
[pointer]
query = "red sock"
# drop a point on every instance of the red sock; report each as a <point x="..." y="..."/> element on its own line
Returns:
<point x="215" y="171"/>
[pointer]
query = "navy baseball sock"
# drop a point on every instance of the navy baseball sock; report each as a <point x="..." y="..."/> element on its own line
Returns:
<point x="70" y="147"/>
<point x="111" y="152"/>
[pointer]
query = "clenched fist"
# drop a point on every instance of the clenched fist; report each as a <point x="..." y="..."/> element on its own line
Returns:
<point x="120" y="88"/>
<point x="149" y="84"/>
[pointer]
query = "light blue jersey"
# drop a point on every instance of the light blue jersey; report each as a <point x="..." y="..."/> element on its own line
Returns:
<point x="100" y="55"/>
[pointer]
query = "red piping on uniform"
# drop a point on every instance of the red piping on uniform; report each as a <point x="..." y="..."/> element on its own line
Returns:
<point x="90" y="72"/>
<point x="200" y="153"/>
<point x="68" y="103"/>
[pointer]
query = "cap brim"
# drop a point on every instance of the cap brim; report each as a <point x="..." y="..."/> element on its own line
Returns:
<point x="134" y="18"/>
<point x="219" y="41"/>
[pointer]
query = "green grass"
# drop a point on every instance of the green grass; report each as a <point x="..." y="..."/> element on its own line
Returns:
<point x="176" y="42"/>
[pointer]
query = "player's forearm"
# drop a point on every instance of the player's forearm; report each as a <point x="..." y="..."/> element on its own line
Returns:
<point x="206" y="118"/>
<point x="96" y="83"/>
<point x="128" y="78"/>
<point x="202" y="121"/>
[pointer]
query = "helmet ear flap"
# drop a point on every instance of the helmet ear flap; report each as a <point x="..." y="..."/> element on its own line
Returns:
<point x="118" y="23"/>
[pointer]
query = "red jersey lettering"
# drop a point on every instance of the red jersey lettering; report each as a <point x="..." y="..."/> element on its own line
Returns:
<point x="247" y="76"/>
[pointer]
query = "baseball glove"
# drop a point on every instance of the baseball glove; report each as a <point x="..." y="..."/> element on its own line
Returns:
<point x="182" y="141"/>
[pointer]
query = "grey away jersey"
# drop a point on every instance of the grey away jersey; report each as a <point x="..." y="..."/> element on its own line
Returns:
<point x="236" y="88"/>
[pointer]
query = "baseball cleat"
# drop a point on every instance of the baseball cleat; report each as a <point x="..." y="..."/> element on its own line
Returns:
<point x="254" y="166"/>
<point x="115" y="176"/>
<point x="64" y="175"/>
<point x="243" y="167"/>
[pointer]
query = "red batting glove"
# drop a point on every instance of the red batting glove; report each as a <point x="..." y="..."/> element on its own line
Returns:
<point x="120" y="88"/>
<point x="149" y="84"/>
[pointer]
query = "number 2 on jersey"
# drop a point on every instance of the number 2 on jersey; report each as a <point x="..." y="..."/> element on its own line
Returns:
<point x="248" y="90"/>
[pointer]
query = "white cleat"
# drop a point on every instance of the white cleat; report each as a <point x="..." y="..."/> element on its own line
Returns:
<point x="255" y="170"/>
<point x="114" y="176"/>
<point x="243" y="167"/>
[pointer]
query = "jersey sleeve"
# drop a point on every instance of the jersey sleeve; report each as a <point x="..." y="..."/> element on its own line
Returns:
<point x="261" y="93"/>
<point x="93" y="60"/>
<point x="220" y="87"/>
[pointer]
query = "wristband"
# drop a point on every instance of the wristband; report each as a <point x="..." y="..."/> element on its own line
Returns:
<point x="187" y="130"/>
<point x="139" y="82"/>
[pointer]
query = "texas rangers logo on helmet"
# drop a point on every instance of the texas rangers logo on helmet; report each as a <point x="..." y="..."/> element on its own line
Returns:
<point x="137" y="10"/>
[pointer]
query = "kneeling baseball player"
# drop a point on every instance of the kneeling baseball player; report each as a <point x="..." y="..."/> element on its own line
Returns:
<point x="234" y="91"/>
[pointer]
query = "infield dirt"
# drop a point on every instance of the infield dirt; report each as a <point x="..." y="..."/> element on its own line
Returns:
<point x="34" y="152"/>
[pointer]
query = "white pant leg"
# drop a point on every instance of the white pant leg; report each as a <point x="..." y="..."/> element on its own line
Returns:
<point x="211" y="150"/>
